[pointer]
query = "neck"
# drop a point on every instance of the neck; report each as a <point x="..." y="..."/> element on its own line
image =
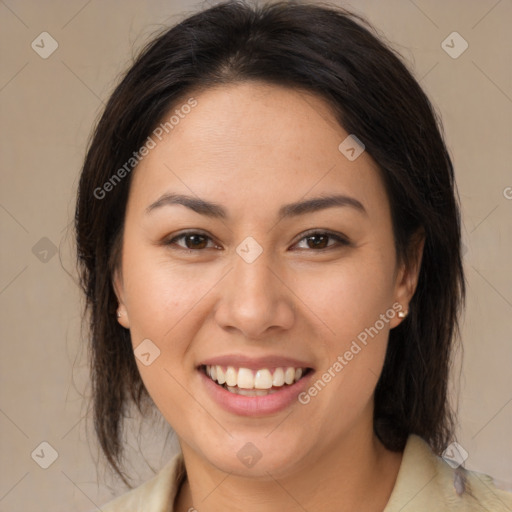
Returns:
<point x="359" y="473"/>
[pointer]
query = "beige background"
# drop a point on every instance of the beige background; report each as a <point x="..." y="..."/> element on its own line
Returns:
<point x="48" y="107"/>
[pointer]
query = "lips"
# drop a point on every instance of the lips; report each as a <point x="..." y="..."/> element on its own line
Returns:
<point x="254" y="386"/>
<point x="254" y="402"/>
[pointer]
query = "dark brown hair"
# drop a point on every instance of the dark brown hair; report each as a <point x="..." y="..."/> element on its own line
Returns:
<point x="336" y="55"/>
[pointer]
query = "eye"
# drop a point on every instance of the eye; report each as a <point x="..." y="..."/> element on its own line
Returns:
<point x="194" y="240"/>
<point x="319" y="240"/>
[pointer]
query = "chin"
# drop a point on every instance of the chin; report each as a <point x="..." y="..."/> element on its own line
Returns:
<point x="256" y="459"/>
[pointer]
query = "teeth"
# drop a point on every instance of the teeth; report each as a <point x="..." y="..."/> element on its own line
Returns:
<point x="251" y="392"/>
<point x="231" y="376"/>
<point x="245" y="378"/>
<point x="278" y="377"/>
<point x="261" y="380"/>
<point x="220" y="377"/>
<point x="289" y="375"/>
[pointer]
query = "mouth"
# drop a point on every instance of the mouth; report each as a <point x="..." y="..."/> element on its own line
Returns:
<point x="254" y="382"/>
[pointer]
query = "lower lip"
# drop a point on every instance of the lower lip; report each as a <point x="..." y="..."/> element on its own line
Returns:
<point x="255" y="405"/>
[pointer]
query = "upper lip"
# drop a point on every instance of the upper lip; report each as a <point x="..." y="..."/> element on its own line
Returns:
<point x="255" y="363"/>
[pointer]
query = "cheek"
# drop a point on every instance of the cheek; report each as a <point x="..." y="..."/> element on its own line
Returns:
<point x="164" y="306"/>
<point x="160" y="294"/>
<point x="349" y="296"/>
<point x="349" y="302"/>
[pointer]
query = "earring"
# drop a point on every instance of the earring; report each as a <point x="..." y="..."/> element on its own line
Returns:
<point x="402" y="314"/>
<point x="118" y="314"/>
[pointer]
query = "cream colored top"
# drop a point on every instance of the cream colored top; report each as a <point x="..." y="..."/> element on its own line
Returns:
<point x="425" y="483"/>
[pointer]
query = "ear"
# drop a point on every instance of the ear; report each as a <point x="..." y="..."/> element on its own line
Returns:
<point x="122" y="312"/>
<point x="408" y="274"/>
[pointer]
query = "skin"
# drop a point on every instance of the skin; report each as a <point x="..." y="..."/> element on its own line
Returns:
<point x="253" y="147"/>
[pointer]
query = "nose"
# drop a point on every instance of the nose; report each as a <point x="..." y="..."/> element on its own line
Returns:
<point x="255" y="299"/>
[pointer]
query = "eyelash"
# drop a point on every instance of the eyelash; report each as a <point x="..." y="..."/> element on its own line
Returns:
<point x="340" y="239"/>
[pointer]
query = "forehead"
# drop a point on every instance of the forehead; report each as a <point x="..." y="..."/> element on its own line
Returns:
<point x="253" y="144"/>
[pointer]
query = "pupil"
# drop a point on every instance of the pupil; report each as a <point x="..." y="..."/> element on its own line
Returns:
<point x="316" y="244"/>
<point x="195" y="239"/>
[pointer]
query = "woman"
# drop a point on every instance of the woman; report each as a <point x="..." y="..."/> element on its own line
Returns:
<point x="269" y="243"/>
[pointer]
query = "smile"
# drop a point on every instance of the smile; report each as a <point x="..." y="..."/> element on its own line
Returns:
<point x="247" y="382"/>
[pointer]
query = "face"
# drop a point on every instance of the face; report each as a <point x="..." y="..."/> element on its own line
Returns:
<point x="252" y="280"/>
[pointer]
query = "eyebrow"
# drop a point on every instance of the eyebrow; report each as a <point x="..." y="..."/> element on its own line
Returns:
<point x="215" y="210"/>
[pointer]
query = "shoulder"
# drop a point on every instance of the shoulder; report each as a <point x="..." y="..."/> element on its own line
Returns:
<point x="154" y="495"/>
<point x="427" y="482"/>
